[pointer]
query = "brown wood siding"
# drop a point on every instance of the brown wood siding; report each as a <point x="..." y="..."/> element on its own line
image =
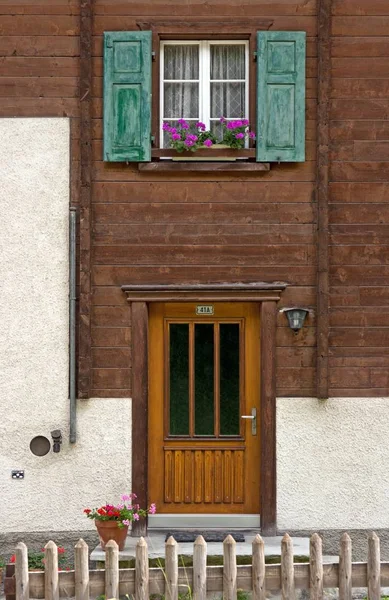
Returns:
<point x="359" y="196"/>
<point x="187" y="227"/>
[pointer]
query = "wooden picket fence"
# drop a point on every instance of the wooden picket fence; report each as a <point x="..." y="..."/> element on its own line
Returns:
<point x="258" y="578"/>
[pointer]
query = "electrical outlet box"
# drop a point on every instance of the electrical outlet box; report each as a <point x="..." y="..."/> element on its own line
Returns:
<point x="17" y="474"/>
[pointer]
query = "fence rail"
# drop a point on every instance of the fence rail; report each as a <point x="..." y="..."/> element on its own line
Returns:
<point x="170" y="580"/>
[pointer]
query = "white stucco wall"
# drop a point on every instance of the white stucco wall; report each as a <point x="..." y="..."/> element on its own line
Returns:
<point x="333" y="463"/>
<point x="34" y="209"/>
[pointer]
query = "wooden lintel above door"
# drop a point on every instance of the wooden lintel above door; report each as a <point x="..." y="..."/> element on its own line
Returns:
<point x="220" y="292"/>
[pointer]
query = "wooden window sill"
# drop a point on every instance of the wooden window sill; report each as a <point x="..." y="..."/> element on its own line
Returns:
<point x="170" y="165"/>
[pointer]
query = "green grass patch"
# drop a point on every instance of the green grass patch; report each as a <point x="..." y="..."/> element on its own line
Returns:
<point x="212" y="561"/>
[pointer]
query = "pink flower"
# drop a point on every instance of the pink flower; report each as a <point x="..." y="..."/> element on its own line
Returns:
<point x="207" y="143"/>
<point x="184" y="124"/>
<point x="245" y="122"/>
<point x="173" y="130"/>
<point x="201" y="126"/>
<point x="136" y="517"/>
<point x="176" y="136"/>
<point x="252" y="135"/>
<point x="166" y="126"/>
<point x="126" y="522"/>
<point x="239" y="136"/>
<point x="133" y="496"/>
<point x="189" y="143"/>
<point x="223" y="119"/>
<point x="153" y="508"/>
<point x="125" y="497"/>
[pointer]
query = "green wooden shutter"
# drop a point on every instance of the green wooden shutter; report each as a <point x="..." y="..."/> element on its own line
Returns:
<point x="127" y="96"/>
<point x="281" y="96"/>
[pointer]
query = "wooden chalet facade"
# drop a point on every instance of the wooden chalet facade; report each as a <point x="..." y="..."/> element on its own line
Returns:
<point x="159" y="241"/>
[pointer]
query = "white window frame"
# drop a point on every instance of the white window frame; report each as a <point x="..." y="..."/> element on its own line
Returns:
<point x="204" y="79"/>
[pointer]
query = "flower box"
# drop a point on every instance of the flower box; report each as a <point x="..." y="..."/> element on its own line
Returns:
<point x="218" y="152"/>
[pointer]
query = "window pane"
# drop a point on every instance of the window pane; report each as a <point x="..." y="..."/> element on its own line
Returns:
<point x="228" y="100"/>
<point x="181" y="101"/>
<point x="229" y="379"/>
<point x="204" y="377"/>
<point x="181" y="62"/>
<point x="227" y="61"/>
<point x="179" y="379"/>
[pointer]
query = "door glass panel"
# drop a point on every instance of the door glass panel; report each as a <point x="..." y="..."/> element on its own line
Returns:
<point x="179" y="379"/>
<point x="229" y="379"/>
<point x="204" y="379"/>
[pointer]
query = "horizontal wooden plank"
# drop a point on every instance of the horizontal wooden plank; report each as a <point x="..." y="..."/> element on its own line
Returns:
<point x="39" y="107"/>
<point x="296" y="357"/>
<point x="359" y="255"/>
<point x="39" y="87"/>
<point x="109" y="296"/>
<point x="356" y="7"/>
<point x="287" y="338"/>
<point x="358" y="87"/>
<point x="355" y="26"/>
<point x="376" y="235"/>
<point x="203" y="192"/>
<point x="360" y="171"/>
<point x="180" y="233"/>
<point x="359" y="352"/>
<point x="374" y="296"/>
<point x="206" y="8"/>
<point x="39" y="45"/>
<point x="359" y="192"/>
<point x="371" y="151"/>
<point x="40" y="8"/>
<point x="360" y="67"/>
<point x="111" y="378"/>
<point x="342" y="151"/>
<point x="36" y="25"/>
<point x="301" y="377"/>
<point x="203" y="255"/>
<point x="111" y="336"/>
<point x="37" y="66"/>
<point x="360" y="46"/>
<point x="359" y="317"/>
<point x="358" y="393"/>
<point x="344" y="295"/>
<point x="357" y="275"/>
<point x="111" y="357"/>
<point x="371" y="213"/>
<point x="167" y="166"/>
<point x="359" y="361"/>
<point x="107" y="393"/>
<point x="211" y="24"/>
<point x="240" y="213"/>
<point x="349" y="377"/>
<point x="360" y="337"/>
<point x="123" y="275"/>
<point x="359" y="130"/>
<point x="111" y="316"/>
<point x="375" y="108"/>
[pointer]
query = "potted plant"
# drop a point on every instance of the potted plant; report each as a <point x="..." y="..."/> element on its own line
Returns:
<point x="2" y="565"/>
<point x="36" y="559"/>
<point x="185" y="139"/>
<point x="112" y="521"/>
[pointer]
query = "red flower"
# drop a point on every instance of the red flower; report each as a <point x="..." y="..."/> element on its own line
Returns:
<point x="87" y="511"/>
<point x="13" y="558"/>
<point x="102" y="512"/>
<point x="61" y="550"/>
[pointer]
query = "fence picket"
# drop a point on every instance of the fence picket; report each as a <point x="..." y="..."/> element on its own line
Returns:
<point x="259" y="569"/>
<point x="81" y="570"/>
<point x="316" y="567"/>
<point x="200" y="569"/>
<point x="287" y="569"/>
<point x="141" y="571"/>
<point x="21" y="572"/>
<point x="111" y="570"/>
<point x="171" y="567"/>
<point x="345" y="579"/>
<point x="51" y="572"/>
<point x="229" y="569"/>
<point x="374" y="568"/>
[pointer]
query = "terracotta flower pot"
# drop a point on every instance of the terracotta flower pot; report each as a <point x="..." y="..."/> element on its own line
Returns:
<point x="109" y="530"/>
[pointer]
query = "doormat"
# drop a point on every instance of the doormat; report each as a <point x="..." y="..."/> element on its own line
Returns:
<point x="209" y="536"/>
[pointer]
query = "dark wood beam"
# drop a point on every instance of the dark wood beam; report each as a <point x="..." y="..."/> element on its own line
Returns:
<point x="84" y="359"/>
<point x="139" y="321"/>
<point x="322" y="178"/>
<point x="268" y="419"/>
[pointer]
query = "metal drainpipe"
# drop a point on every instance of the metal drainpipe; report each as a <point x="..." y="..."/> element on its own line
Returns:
<point x="72" y="325"/>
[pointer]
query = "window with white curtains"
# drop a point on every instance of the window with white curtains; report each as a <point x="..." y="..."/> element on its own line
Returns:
<point x="203" y="81"/>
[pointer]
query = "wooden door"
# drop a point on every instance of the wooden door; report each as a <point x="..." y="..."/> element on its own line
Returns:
<point x="203" y="378"/>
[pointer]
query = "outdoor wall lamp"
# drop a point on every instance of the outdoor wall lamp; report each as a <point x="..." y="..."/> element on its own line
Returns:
<point x="296" y="317"/>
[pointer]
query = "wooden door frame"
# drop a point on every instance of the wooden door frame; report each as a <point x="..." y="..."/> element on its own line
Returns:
<point x="267" y="294"/>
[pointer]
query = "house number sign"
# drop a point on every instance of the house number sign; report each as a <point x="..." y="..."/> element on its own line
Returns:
<point x="204" y="309"/>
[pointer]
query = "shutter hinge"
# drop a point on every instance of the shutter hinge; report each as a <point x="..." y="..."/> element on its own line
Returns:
<point x="152" y="140"/>
<point x="255" y="55"/>
<point x="153" y="56"/>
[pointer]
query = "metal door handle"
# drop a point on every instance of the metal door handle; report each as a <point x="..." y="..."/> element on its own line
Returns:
<point x="253" y="419"/>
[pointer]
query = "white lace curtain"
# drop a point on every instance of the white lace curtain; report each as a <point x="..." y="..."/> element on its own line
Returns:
<point x="227" y="97"/>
